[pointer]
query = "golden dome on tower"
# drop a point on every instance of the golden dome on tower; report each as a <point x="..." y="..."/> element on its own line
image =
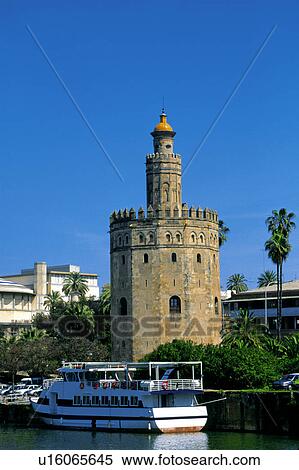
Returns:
<point x="163" y="125"/>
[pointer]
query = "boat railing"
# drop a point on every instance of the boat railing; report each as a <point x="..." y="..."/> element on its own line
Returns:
<point x="148" y="385"/>
<point x="175" y="384"/>
<point x="142" y="385"/>
<point x="47" y="383"/>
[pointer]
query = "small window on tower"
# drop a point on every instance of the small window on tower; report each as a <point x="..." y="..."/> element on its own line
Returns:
<point x="175" y="304"/>
<point x="173" y="257"/>
<point x="127" y="239"/>
<point x="198" y="257"/>
<point x="141" y="238"/>
<point x="168" y="146"/>
<point x="123" y="259"/>
<point x="216" y="306"/>
<point x="123" y="308"/>
<point x="145" y="258"/>
<point x="168" y="238"/>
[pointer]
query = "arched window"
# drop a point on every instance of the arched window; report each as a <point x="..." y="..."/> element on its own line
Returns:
<point x="141" y="238"/>
<point x="145" y="258"/>
<point x="178" y="238"/>
<point x="119" y="241"/>
<point x="151" y="238"/>
<point x="168" y="237"/>
<point x="192" y="238"/>
<point x="173" y="257"/>
<point x="198" y="257"/>
<point x="127" y="239"/>
<point x="214" y="258"/>
<point x="123" y="309"/>
<point x="123" y="259"/>
<point x="174" y="304"/>
<point x="216" y="306"/>
<point x="201" y="239"/>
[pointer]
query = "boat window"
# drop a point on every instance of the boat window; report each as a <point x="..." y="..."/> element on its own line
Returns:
<point x="77" y="400"/>
<point x="95" y="400"/>
<point x="105" y="400"/>
<point x="86" y="400"/>
<point x="71" y="377"/>
<point x="114" y="401"/>
<point x="134" y="401"/>
<point x="124" y="401"/>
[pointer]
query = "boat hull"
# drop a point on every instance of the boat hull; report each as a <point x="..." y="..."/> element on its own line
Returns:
<point x="159" y="420"/>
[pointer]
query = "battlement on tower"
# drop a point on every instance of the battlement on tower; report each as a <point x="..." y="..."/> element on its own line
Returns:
<point x="126" y="215"/>
<point x="162" y="156"/>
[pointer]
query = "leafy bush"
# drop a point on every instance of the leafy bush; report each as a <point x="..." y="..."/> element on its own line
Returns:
<point x="224" y="367"/>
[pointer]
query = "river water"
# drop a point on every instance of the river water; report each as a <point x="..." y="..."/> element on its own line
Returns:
<point x="34" y="438"/>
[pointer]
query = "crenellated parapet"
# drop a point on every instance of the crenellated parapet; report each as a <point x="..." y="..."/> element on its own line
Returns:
<point x="183" y="212"/>
<point x="155" y="157"/>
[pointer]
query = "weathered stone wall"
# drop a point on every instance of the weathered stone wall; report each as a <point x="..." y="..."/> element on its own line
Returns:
<point x="148" y="286"/>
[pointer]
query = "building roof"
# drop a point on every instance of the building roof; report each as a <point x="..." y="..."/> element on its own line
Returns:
<point x="290" y="287"/>
<point x="13" y="287"/>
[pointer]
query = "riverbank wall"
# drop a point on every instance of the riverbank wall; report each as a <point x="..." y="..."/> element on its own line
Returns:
<point x="259" y="412"/>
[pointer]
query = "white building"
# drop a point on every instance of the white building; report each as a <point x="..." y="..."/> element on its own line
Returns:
<point x="22" y="295"/>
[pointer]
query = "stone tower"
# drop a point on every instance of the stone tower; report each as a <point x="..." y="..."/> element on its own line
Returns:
<point x="165" y="280"/>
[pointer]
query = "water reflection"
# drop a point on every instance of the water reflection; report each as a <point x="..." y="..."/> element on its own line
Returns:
<point x="190" y="441"/>
<point x="44" y="439"/>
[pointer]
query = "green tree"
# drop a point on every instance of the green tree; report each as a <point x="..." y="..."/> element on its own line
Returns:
<point x="278" y="248"/>
<point x="105" y="300"/>
<point x="223" y="231"/>
<point x="281" y="221"/>
<point x="243" y="331"/>
<point x="12" y="355"/>
<point x="78" y="320"/>
<point x="237" y="283"/>
<point x="32" y="334"/>
<point x="267" y="278"/>
<point x="54" y="302"/>
<point x="280" y="224"/>
<point x="74" y="285"/>
<point x="242" y="368"/>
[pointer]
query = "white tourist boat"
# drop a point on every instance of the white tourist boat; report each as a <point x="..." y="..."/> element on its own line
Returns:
<point x="152" y="396"/>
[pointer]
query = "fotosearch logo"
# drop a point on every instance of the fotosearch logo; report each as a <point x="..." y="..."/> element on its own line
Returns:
<point x="152" y="326"/>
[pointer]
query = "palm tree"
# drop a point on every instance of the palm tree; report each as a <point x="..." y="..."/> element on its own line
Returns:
<point x="280" y="224"/>
<point x="223" y="231"/>
<point x="267" y="278"/>
<point x="75" y="285"/>
<point x="54" y="303"/>
<point x="237" y="283"/>
<point x="243" y="331"/>
<point x="82" y="315"/>
<point x="278" y="248"/>
<point x="32" y="334"/>
<point x="281" y="221"/>
<point x="105" y="300"/>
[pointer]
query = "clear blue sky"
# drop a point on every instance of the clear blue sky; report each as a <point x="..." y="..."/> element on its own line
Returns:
<point x="118" y="59"/>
